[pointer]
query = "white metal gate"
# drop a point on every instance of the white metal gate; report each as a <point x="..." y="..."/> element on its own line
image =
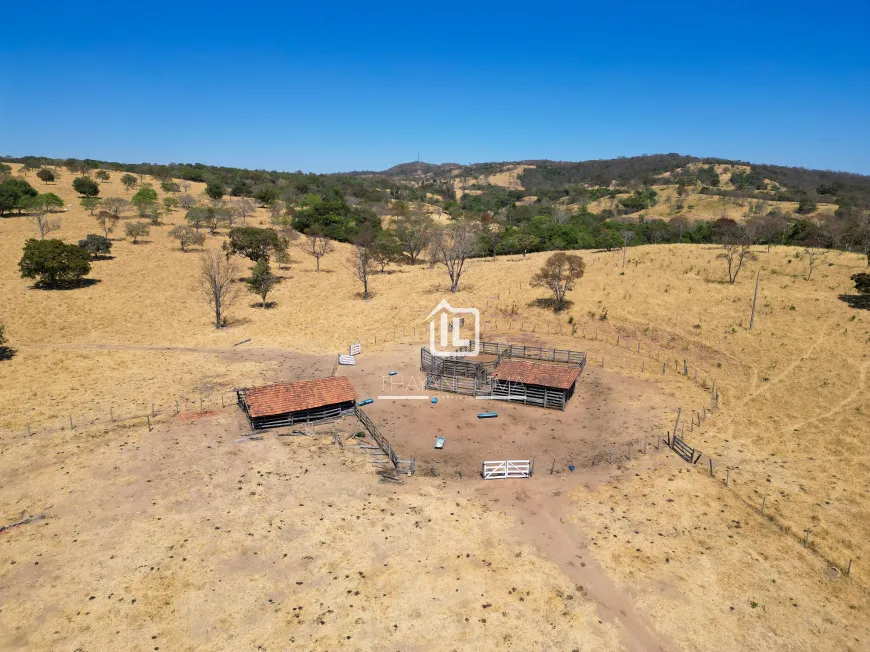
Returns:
<point x="507" y="469"/>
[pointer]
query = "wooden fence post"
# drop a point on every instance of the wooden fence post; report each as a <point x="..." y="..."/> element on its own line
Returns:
<point x="153" y="413"/>
<point x="148" y="416"/>
<point x="711" y="467"/>
<point x="28" y="429"/>
<point x="553" y="468"/>
<point x="677" y="422"/>
<point x="754" y="299"/>
<point x="849" y="569"/>
<point x="71" y="426"/>
<point x="200" y="403"/>
<point x="111" y="415"/>
<point x="727" y="476"/>
<point x="763" y="500"/>
<point x="176" y="406"/>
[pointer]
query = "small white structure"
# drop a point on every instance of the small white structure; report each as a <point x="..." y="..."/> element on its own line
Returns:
<point x="507" y="469"/>
<point x="346" y="359"/>
<point x="355" y="349"/>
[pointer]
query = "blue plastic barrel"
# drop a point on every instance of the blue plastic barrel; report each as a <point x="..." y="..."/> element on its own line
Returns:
<point x="366" y="402"/>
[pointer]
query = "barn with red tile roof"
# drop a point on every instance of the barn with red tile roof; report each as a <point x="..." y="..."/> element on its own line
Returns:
<point x="535" y="383"/>
<point x="302" y="401"/>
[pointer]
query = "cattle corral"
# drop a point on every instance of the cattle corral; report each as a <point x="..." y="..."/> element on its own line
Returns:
<point x="608" y="411"/>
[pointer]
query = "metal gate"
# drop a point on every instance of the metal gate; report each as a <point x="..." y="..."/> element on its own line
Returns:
<point x="507" y="469"/>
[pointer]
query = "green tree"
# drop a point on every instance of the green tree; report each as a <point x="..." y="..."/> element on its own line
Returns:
<point x="806" y="205"/>
<point x="170" y="204"/>
<point x="214" y="189"/>
<point x="608" y="239"/>
<point x="45" y="175"/>
<point x="5" y="170"/>
<point x="145" y="195"/>
<point x="96" y="245"/>
<point x="170" y="186"/>
<point x="413" y="233"/>
<point x="53" y="262"/>
<point x="262" y="280"/>
<point x="14" y="194"/>
<point x="253" y="243"/>
<point x="187" y="236"/>
<point x="101" y="175"/>
<point x="559" y="274"/>
<point x="385" y="249"/>
<point x="862" y="282"/>
<point x="129" y="181"/>
<point x="90" y="204"/>
<point x="86" y="186"/>
<point x="136" y="230"/>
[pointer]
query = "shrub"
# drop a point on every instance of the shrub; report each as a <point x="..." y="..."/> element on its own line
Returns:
<point x="170" y="186"/>
<point x="45" y="175"/>
<point x="862" y="282"/>
<point x="96" y="245"/>
<point x="101" y="175"/>
<point x="53" y="262"/>
<point x="86" y="186"/>
<point x="129" y="181"/>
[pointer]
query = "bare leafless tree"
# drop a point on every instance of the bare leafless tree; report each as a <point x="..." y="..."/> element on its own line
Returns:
<point x="107" y="222"/>
<point x="452" y="246"/>
<point x="561" y="214"/>
<point x="244" y="207"/>
<point x="117" y="206"/>
<point x="363" y="266"/>
<point x="217" y="281"/>
<point x="813" y="251"/>
<point x="317" y="244"/>
<point x="39" y="214"/>
<point x="187" y="201"/>
<point x="735" y="253"/>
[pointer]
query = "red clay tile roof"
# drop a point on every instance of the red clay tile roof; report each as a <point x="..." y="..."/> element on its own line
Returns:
<point x="535" y="373"/>
<point x="299" y="395"/>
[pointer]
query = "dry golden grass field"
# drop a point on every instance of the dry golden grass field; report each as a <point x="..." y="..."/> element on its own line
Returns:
<point x="181" y="538"/>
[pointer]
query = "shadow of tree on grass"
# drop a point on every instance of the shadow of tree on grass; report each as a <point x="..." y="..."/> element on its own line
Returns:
<point x="857" y="301"/>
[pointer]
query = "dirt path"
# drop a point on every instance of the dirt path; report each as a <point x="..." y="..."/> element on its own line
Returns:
<point x="541" y="510"/>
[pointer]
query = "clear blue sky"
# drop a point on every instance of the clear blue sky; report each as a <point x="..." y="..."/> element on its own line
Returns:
<point x="328" y="87"/>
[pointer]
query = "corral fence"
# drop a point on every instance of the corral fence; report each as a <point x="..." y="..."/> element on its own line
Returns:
<point x="464" y="375"/>
<point x="402" y="466"/>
